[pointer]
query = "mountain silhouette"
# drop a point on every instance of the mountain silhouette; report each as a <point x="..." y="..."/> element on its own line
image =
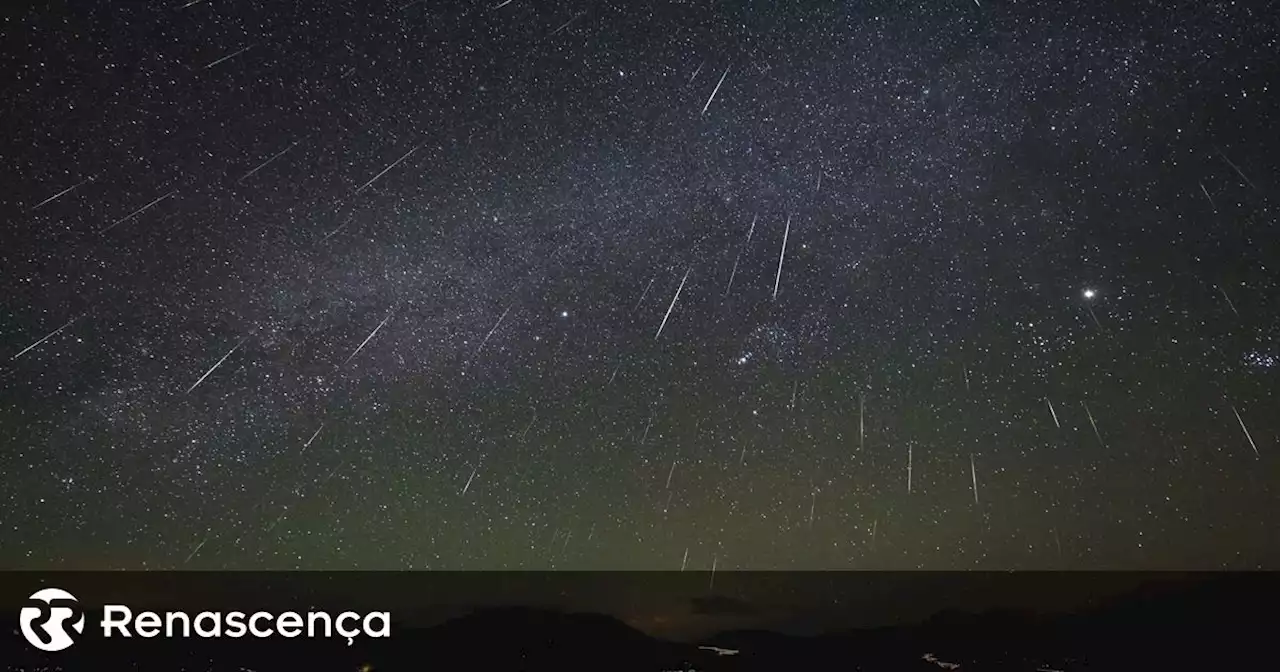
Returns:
<point x="1199" y="624"/>
<point x="536" y="639"/>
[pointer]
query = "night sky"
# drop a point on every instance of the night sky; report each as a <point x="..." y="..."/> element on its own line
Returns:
<point x="640" y="285"/>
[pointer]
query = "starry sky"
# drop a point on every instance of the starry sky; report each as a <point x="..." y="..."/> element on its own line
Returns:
<point x="614" y="285"/>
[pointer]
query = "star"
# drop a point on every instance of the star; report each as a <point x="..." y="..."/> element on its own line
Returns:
<point x="323" y="268"/>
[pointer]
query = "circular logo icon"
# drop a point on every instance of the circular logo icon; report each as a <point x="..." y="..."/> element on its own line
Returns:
<point x="49" y="617"/>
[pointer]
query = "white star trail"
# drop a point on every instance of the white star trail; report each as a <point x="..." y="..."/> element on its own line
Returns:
<point x="137" y="212"/>
<point x="395" y="163"/>
<point x="48" y="336"/>
<point x="673" y="304"/>
<point x="366" y="340"/>
<point x="228" y="57"/>
<point x="715" y="91"/>
<point x="60" y="194"/>
<point x="1247" y="435"/>
<point x="782" y="255"/>
<point x="216" y="365"/>
<point x="973" y="471"/>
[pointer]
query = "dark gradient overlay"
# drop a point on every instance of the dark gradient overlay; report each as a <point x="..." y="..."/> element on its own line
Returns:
<point x="665" y="604"/>
<point x="651" y="621"/>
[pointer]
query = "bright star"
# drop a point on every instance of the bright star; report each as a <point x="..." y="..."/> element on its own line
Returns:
<point x="1089" y="293"/>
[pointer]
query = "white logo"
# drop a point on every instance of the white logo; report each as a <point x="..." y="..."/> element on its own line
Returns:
<point x="51" y="616"/>
<point x="45" y="623"/>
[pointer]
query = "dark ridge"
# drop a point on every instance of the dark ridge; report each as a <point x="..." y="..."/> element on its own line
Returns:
<point x="1166" y="624"/>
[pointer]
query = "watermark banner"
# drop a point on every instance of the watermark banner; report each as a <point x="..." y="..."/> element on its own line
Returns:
<point x="639" y="620"/>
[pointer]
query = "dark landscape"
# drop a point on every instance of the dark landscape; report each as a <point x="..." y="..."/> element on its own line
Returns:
<point x="1216" y="623"/>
